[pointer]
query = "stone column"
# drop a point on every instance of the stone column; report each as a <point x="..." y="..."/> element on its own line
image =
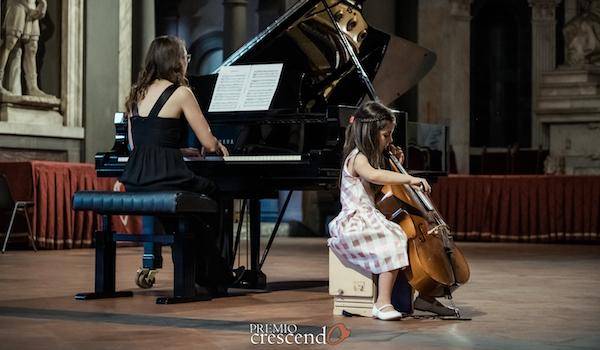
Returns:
<point x="144" y="31"/>
<point x="570" y="9"/>
<point x="124" y="77"/>
<point x="72" y="62"/>
<point x="543" y="57"/>
<point x="148" y="24"/>
<point x="234" y="25"/>
<point x="457" y="84"/>
<point x="268" y="11"/>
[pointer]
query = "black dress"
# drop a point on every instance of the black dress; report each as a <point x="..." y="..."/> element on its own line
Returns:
<point x="156" y="164"/>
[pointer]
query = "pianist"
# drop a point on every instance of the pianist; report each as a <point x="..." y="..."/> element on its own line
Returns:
<point x="156" y="107"/>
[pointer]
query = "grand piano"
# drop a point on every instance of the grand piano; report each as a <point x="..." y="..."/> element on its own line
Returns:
<point x="332" y="61"/>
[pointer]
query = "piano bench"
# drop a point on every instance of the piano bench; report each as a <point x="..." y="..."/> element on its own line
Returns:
<point x="180" y="205"/>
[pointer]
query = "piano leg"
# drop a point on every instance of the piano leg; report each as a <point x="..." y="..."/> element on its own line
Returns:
<point x="252" y="278"/>
<point x="256" y="278"/>
<point x="254" y="234"/>
<point x="225" y="229"/>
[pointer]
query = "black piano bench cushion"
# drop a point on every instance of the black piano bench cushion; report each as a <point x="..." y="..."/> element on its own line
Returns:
<point x="144" y="203"/>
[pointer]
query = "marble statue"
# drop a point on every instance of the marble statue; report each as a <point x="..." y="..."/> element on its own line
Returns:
<point x="582" y="36"/>
<point x="21" y="29"/>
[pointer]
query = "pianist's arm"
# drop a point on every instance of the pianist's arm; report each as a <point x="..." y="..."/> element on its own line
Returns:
<point x="198" y="123"/>
<point x="129" y="137"/>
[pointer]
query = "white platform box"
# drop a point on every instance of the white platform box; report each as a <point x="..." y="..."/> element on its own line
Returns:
<point x="352" y="291"/>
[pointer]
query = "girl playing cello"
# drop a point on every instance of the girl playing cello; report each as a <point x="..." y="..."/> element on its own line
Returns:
<point x="361" y="234"/>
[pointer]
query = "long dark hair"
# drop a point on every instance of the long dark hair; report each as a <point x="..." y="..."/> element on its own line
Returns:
<point x="165" y="60"/>
<point x="363" y="132"/>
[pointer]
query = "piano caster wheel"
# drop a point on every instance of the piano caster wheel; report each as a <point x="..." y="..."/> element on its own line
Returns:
<point x="145" y="278"/>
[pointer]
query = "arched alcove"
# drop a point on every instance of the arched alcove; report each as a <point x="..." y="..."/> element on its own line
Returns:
<point x="207" y="53"/>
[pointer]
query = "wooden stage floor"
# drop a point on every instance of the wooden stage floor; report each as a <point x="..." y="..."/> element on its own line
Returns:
<point x="521" y="296"/>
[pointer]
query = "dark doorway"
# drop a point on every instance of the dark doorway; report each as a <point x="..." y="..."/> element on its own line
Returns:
<point x="500" y="73"/>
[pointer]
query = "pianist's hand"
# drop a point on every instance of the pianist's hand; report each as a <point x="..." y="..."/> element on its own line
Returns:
<point x="222" y="150"/>
<point x="396" y="152"/>
<point x="190" y="152"/>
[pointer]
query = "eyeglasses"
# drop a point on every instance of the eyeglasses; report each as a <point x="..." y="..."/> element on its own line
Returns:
<point x="188" y="57"/>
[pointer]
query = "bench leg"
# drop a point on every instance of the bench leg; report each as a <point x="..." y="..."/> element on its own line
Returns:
<point x="106" y="249"/>
<point x="184" y="267"/>
<point x="152" y="251"/>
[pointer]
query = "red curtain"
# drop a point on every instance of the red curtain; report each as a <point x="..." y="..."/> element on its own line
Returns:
<point x="50" y="185"/>
<point x="479" y="208"/>
<point x="520" y="208"/>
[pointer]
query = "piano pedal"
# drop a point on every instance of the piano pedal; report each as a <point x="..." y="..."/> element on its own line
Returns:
<point x="249" y="279"/>
<point x="145" y="278"/>
<point x="238" y="275"/>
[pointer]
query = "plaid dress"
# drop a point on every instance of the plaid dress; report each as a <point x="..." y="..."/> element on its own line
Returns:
<point x="361" y="234"/>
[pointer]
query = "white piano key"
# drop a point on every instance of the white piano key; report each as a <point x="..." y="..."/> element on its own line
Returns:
<point x="264" y="158"/>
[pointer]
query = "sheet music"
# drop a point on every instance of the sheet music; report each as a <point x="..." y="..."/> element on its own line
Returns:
<point x="245" y="88"/>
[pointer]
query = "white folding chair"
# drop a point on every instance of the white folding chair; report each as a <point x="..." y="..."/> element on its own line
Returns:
<point x="7" y="203"/>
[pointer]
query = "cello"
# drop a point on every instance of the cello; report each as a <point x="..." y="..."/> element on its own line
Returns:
<point x="437" y="266"/>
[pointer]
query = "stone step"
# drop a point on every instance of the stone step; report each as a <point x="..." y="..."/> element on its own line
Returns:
<point x="30" y="116"/>
<point x="571" y="89"/>
<point x="568" y="102"/>
<point x="570" y="76"/>
<point x="569" y="116"/>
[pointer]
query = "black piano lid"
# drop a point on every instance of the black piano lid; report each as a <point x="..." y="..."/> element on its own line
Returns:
<point x="317" y="70"/>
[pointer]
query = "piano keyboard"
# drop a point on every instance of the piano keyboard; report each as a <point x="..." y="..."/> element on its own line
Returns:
<point x="261" y="158"/>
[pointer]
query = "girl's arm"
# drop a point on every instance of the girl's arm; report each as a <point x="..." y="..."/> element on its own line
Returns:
<point x="198" y="123"/>
<point x="129" y="137"/>
<point x="363" y="168"/>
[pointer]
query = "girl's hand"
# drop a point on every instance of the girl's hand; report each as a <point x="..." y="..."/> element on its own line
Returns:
<point x="396" y="152"/>
<point x="420" y="184"/>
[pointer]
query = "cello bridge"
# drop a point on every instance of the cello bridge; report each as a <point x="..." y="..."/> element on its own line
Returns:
<point x="435" y="230"/>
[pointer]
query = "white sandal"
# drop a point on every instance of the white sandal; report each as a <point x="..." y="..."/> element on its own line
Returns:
<point x="386" y="315"/>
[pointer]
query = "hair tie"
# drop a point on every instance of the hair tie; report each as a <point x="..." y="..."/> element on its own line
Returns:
<point x="351" y="119"/>
<point x="370" y="120"/>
